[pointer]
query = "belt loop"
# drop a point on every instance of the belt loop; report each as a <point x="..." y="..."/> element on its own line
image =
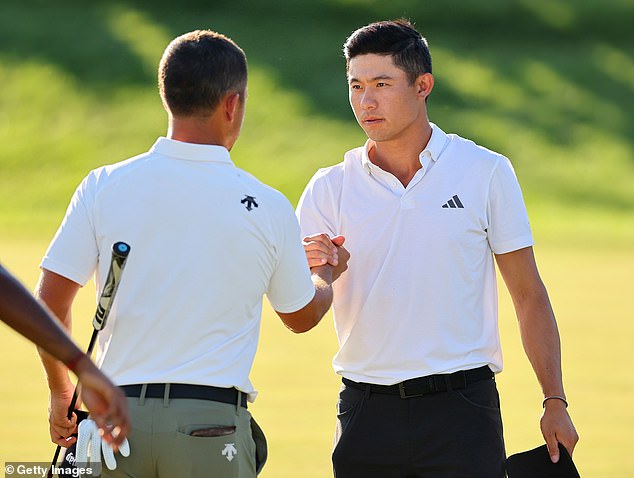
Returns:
<point x="142" y="394"/>
<point x="238" y="402"/>
<point x="460" y="380"/>
<point x="448" y="383"/>
<point x="368" y="391"/>
<point x="166" y="395"/>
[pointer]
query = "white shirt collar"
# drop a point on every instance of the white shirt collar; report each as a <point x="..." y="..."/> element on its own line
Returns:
<point x="432" y="152"/>
<point x="191" y="151"/>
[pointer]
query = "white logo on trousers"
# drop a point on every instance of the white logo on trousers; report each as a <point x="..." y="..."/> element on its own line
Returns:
<point x="229" y="451"/>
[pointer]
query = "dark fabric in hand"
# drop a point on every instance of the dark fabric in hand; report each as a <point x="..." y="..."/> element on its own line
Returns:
<point x="536" y="463"/>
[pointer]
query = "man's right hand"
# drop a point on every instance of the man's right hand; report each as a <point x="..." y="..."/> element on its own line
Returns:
<point x="60" y="426"/>
<point x="343" y="256"/>
<point x="106" y="403"/>
<point x="321" y="250"/>
<point x="327" y="259"/>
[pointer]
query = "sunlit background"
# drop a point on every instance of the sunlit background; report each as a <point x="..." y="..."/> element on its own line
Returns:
<point x="548" y="83"/>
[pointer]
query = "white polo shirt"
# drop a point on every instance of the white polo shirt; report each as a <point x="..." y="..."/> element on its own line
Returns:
<point x="419" y="296"/>
<point x="207" y="241"/>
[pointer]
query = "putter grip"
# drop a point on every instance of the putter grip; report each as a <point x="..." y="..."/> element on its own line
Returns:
<point x="120" y="251"/>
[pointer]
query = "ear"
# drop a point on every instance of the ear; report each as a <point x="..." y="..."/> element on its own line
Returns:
<point x="231" y="102"/>
<point x="424" y="85"/>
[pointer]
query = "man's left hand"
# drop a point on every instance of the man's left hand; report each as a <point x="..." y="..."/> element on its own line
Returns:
<point x="557" y="427"/>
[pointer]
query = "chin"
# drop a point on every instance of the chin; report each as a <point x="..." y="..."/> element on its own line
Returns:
<point x="377" y="136"/>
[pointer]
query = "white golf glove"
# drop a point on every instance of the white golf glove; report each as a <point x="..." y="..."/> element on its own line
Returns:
<point x="88" y="438"/>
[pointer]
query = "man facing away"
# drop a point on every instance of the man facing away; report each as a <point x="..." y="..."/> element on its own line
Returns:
<point x="207" y="241"/>
<point x="424" y="214"/>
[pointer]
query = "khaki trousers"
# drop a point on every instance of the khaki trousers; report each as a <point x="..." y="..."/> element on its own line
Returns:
<point x="163" y="441"/>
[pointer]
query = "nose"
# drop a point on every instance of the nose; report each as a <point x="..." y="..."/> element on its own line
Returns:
<point x="368" y="101"/>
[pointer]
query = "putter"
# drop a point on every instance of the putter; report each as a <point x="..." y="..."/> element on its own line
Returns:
<point x="120" y="251"/>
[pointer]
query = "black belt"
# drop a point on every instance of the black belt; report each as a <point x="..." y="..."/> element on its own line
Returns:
<point x="181" y="390"/>
<point x="417" y="387"/>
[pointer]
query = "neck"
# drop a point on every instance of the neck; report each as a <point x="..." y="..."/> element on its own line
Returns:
<point x="197" y="130"/>
<point x="401" y="156"/>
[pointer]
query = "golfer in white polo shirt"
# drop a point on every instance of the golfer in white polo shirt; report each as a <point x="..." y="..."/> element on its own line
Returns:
<point x="207" y="240"/>
<point x="424" y="214"/>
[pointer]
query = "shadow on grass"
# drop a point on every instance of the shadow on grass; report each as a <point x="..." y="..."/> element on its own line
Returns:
<point x="542" y="65"/>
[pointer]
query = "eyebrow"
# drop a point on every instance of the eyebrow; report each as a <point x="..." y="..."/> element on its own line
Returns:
<point x="376" y="78"/>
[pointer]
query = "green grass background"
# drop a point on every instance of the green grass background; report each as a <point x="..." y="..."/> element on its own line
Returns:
<point x="549" y="83"/>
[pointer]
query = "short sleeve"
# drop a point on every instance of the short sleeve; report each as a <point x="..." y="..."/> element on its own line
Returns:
<point x="73" y="252"/>
<point x="315" y="209"/>
<point x="509" y="228"/>
<point x="291" y="287"/>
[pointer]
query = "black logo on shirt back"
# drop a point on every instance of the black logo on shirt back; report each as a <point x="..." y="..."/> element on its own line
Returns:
<point x="250" y="202"/>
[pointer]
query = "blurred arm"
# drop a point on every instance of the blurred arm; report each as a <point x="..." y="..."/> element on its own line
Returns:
<point x="28" y="317"/>
<point x="23" y="313"/>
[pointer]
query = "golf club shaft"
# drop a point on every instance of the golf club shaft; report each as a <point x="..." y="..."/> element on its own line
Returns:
<point x="120" y="251"/>
<point x="73" y="402"/>
<point x="91" y="346"/>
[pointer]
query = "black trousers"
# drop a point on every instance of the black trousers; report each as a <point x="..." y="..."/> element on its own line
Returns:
<point x="453" y="434"/>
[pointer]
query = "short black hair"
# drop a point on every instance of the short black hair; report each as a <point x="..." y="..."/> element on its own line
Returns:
<point x="197" y="69"/>
<point x="397" y="38"/>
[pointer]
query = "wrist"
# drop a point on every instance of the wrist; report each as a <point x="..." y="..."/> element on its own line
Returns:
<point x="61" y="389"/>
<point x="75" y="363"/>
<point x="324" y="273"/>
<point x="555" y="400"/>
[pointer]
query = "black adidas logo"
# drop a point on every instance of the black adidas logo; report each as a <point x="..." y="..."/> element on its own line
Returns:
<point x="454" y="203"/>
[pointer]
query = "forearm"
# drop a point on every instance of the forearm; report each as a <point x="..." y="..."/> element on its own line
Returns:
<point x="540" y="338"/>
<point x="309" y="316"/>
<point x="322" y="278"/>
<point x="56" y="372"/>
<point x="327" y="259"/>
<point x="59" y="303"/>
<point x="538" y="327"/>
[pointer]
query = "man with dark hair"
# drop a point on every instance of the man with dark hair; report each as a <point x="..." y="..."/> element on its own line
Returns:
<point x="208" y="242"/>
<point x="424" y="214"/>
<point x="397" y="39"/>
<point x="20" y="311"/>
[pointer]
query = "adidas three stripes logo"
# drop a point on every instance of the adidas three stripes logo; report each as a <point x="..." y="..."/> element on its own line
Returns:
<point x="454" y="203"/>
